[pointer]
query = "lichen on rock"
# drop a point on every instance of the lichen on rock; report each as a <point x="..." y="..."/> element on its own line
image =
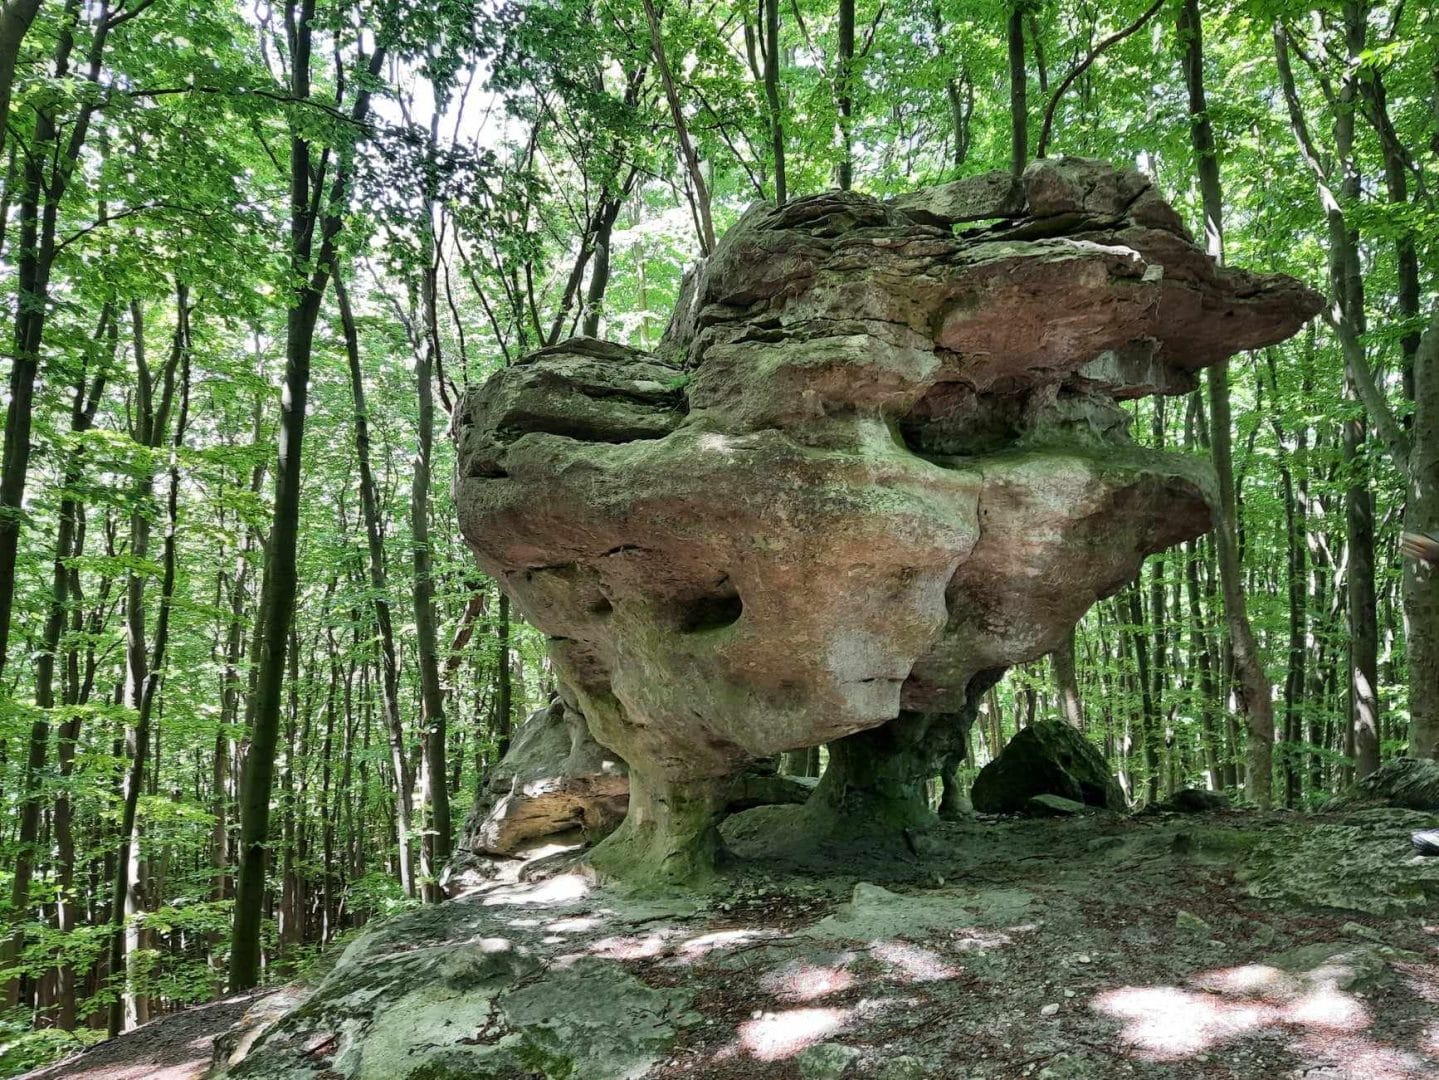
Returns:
<point x="875" y="461"/>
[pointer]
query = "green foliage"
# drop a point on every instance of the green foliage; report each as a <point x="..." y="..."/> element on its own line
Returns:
<point x="23" y="1048"/>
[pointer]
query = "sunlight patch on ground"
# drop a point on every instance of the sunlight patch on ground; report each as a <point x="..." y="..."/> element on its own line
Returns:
<point x="575" y="924"/>
<point x="632" y="946"/>
<point x="776" y="1036"/>
<point x="915" y="963"/>
<point x="705" y="944"/>
<point x="980" y="940"/>
<point x="1364" y="1057"/>
<point x="1168" y="1023"/>
<point x="556" y="890"/>
<point x="800" y="981"/>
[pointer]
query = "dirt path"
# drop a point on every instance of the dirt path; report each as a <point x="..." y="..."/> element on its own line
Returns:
<point x="173" y="1047"/>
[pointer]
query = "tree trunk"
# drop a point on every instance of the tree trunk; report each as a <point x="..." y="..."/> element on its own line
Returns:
<point x="15" y="19"/>
<point x="1018" y="92"/>
<point x="144" y="674"/>
<point x="1147" y="715"/>
<point x="600" y="271"/>
<point x="770" y="40"/>
<point x="844" y="92"/>
<point x="379" y="588"/>
<point x="504" y="689"/>
<point x="1421" y="580"/>
<point x="688" y="155"/>
<point x="277" y="592"/>
<point x="1251" y="682"/>
<point x="39" y="210"/>
<point x="436" y="841"/>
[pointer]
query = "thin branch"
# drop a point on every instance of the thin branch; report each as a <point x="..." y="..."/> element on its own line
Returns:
<point x="1083" y="66"/>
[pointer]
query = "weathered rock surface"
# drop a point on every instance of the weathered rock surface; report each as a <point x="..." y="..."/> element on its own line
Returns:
<point x="1363" y="862"/>
<point x="1009" y="945"/>
<point x="1054" y="806"/>
<point x="554" y="779"/>
<point x="555" y="784"/>
<point x="1047" y="758"/>
<point x="878" y="463"/>
<point x="1406" y="783"/>
<point x="1194" y="801"/>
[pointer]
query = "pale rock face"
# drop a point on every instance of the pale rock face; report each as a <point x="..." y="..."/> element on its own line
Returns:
<point x="554" y="779"/>
<point x="878" y="460"/>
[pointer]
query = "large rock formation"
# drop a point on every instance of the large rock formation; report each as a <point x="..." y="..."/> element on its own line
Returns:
<point x="875" y="463"/>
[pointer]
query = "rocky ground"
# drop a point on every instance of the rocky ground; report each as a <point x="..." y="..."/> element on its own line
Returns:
<point x="1218" y="945"/>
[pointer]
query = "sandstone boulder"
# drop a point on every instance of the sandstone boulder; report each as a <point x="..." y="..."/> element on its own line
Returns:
<point x="875" y="463"/>
<point x="1047" y="758"/>
<point x="1195" y="801"/>
<point x="554" y="779"/>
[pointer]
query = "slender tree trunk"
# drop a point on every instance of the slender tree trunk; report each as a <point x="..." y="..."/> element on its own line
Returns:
<point x="379" y="587"/>
<point x="770" y="40"/>
<point x="277" y="592"/>
<point x="39" y="208"/>
<point x="688" y="155"/>
<point x="1018" y="92"/>
<point x="1143" y="675"/>
<point x="15" y="19"/>
<point x="844" y="95"/>
<point x="1251" y="683"/>
<point x="504" y="690"/>
<point x="144" y="674"/>
<point x="1294" y="679"/>
<point x="432" y="698"/>
<point x="85" y="403"/>
<point x="600" y="271"/>
<point x="960" y="91"/>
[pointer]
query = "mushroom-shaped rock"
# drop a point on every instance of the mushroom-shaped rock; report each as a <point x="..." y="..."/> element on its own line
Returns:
<point x="879" y="462"/>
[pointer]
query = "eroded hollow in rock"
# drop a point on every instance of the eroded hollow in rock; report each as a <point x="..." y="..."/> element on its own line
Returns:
<point x="712" y="611"/>
<point x="875" y="463"/>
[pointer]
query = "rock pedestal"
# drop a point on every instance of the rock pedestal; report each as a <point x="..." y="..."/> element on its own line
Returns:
<point x="874" y="460"/>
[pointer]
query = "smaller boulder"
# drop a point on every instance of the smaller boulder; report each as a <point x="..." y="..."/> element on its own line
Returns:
<point x="989" y="195"/>
<point x="754" y="788"/>
<point x="1047" y="758"/>
<point x="1194" y="801"/>
<point x="555" y="778"/>
<point x="1404" y="783"/>
<point x="1054" y="806"/>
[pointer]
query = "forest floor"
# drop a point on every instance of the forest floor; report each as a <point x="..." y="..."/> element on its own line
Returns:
<point x="1098" y="947"/>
